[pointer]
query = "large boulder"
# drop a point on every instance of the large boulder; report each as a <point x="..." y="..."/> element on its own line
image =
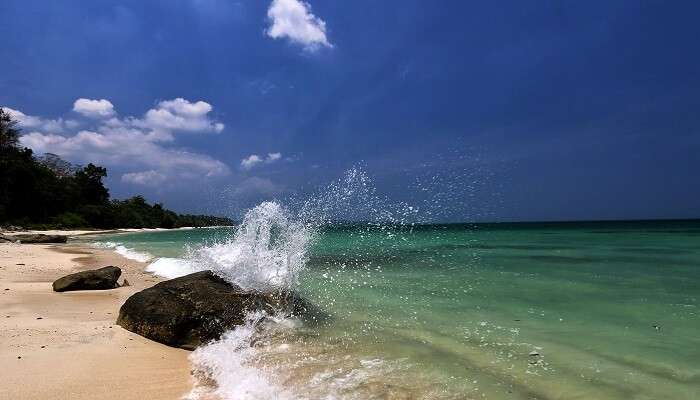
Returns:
<point x="35" y="238"/>
<point x="194" y="309"/>
<point x="95" y="279"/>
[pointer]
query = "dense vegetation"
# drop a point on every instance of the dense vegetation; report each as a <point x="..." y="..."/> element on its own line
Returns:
<point x="50" y="192"/>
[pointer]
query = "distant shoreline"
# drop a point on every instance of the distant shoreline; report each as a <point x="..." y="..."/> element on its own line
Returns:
<point x="88" y="232"/>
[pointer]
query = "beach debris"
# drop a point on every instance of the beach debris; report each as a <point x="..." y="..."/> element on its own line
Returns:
<point x="96" y="279"/>
<point x="126" y="283"/>
<point x="194" y="309"/>
<point x="39" y="318"/>
<point x="34" y="238"/>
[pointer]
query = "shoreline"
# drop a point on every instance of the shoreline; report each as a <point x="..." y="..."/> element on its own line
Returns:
<point x="67" y="345"/>
<point x="71" y="233"/>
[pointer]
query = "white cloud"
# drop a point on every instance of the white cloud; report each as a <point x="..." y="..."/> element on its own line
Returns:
<point x="135" y="143"/>
<point x="251" y="161"/>
<point x="149" y="177"/>
<point x="254" y="159"/>
<point x="180" y="115"/>
<point x="126" y="148"/>
<point x="32" y="122"/>
<point x="94" y="108"/>
<point x="292" y="19"/>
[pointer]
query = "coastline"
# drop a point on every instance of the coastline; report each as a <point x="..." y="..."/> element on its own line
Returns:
<point x="89" y="232"/>
<point x="67" y="345"/>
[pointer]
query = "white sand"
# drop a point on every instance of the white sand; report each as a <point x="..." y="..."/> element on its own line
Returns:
<point x="69" y="344"/>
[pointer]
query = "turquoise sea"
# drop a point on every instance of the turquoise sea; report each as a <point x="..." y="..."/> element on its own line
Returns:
<point x="580" y="310"/>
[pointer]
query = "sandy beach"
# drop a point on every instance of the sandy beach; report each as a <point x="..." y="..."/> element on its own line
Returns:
<point x="67" y="345"/>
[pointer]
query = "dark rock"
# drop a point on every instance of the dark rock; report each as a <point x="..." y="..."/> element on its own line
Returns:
<point x="96" y="279"/>
<point x="32" y="238"/>
<point x="126" y="283"/>
<point x="194" y="309"/>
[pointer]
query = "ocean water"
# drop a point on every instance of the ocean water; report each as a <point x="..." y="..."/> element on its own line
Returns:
<point x="604" y="310"/>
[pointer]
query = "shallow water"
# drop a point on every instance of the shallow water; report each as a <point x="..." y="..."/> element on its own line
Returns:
<point x="520" y="311"/>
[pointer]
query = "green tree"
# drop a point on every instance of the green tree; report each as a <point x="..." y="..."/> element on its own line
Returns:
<point x="9" y="133"/>
<point x="89" y="180"/>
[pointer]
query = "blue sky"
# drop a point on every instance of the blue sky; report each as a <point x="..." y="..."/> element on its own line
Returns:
<point x="504" y="110"/>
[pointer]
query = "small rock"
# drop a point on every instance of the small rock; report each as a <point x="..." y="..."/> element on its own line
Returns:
<point x="534" y="354"/>
<point x="19" y="357"/>
<point x="657" y="327"/>
<point x="29" y="238"/>
<point x="39" y="318"/>
<point x="126" y="283"/>
<point x="96" y="279"/>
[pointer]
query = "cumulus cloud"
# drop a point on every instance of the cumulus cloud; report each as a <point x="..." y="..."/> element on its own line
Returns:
<point x="254" y="159"/>
<point x="33" y="122"/>
<point x="251" y="161"/>
<point x="180" y="114"/>
<point x="94" y="108"/>
<point x="293" y="20"/>
<point x="140" y="146"/>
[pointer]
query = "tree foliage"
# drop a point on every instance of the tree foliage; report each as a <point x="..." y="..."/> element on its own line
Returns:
<point x="9" y="133"/>
<point x="49" y="191"/>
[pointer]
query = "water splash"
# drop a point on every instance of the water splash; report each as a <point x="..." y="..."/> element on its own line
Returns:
<point x="269" y="249"/>
<point x="266" y="252"/>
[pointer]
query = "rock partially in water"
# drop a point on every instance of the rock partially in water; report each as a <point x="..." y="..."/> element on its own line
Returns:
<point x="95" y="279"/>
<point x="197" y="308"/>
<point x="34" y="238"/>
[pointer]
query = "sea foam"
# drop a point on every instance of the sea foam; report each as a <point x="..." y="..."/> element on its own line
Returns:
<point x="126" y="252"/>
